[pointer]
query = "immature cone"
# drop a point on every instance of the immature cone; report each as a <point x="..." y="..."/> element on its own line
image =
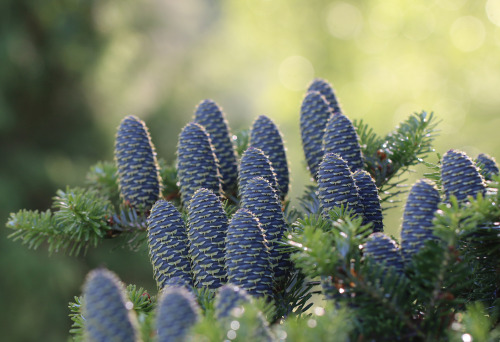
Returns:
<point x="336" y="186"/>
<point x="210" y="115"/>
<point x="247" y="255"/>
<point x="229" y="297"/>
<point x="460" y="176"/>
<point x="326" y="89"/>
<point x="260" y="198"/>
<point x="266" y="137"/>
<point x="254" y="163"/>
<point x="384" y="251"/>
<point x="197" y="165"/>
<point x="138" y="171"/>
<point x="368" y="193"/>
<point x="177" y="313"/>
<point x="488" y="165"/>
<point x="314" y="114"/>
<point x="340" y="137"/>
<point x="168" y="244"/>
<point x="208" y="226"/>
<point x="420" y="207"/>
<point x="107" y="317"/>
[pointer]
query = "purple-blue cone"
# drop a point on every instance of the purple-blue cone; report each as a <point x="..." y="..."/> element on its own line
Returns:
<point x="254" y="163"/>
<point x="314" y="114"/>
<point x="135" y="157"/>
<point x="207" y="228"/>
<point x="326" y="89"/>
<point x="265" y="136"/>
<point x="211" y="116"/>
<point x="488" y="165"/>
<point x="421" y="205"/>
<point x="460" y="176"/>
<point x="384" y="251"/>
<point x="368" y="193"/>
<point x="341" y="138"/>
<point x="168" y="244"/>
<point x="197" y="165"/>
<point x="247" y="255"/>
<point x="336" y="186"/>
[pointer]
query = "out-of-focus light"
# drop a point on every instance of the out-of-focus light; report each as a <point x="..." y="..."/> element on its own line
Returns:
<point x="312" y="323"/>
<point x="467" y="33"/>
<point x="344" y="20"/>
<point x="466" y="338"/>
<point x="296" y="72"/>
<point x="493" y="11"/>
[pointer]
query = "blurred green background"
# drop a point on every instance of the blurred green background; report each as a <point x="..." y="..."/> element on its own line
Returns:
<point x="72" y="69"/>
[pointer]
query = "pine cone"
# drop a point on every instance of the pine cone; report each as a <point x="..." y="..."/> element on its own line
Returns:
<point x="254" y="163"/>
<point x="247" y="255"/>
<point x="488" y="165"/>
<point x="266" y="137"/>
<point x="138" y="171"/>
<point x="197" y="165"/>
<point x="336" y="186"/>
<point x="314" y="114"/>
<point x="106" y="316"/>
<point x="368" y="193"/>
<point x="326" y="89"/>
<point x="260" y="198"/>
<point x="228" y="297"/>
<point x="168" y="244"/>
<point x="341" y="138"/>
<point x="420" y="207"/>
<point x="207" y="224"/>
<point x="383" y="250"/>
<point x="177" y="312"/>
<point x="211" y="117"/>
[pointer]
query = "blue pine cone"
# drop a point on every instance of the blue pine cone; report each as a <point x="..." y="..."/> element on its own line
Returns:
<point x="340" y="137"/>
<point x="197" y="165"/>
<point x="370" y="199"/>
<point x="421" y="205"/>
<point x="460" y="176"/>
<point x="229" y="297"/>
<point x="314" y="114"/>
<point x="266" y="136"/>
<point x="135" y="157"/>
<point x="248" y="262"/>
<point x="384" y="251"/>
<point x="488" y="166"/>
<point x="168" y="244"/>
<point x="177" y="312"/>
<point x="207" y="230"/>
<point x="260" y="199"/>
<point x="106" y="316"/>
<point x="212" y="118"/>
<point x="254" y="163"/>
<point x="326" y="89"/>
<point x="336" y="186"/>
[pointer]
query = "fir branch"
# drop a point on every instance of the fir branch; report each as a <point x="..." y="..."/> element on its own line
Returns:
<point x="168" y="174"/>
<point x="103" y="178"/>
<point x="241" y="141"/>
<point x="78" y="326"/>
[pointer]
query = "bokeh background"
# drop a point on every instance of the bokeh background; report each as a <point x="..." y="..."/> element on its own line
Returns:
<point x="70" y="70"/>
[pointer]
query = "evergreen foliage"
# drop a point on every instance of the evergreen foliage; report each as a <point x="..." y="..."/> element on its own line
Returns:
<point x="248" y="262"/>
<point x="207" y="229"/>
<point x="368" y="193"/>
<point x="138" y="171"/>
<point x="168" y="244"/>
<point x="447" y="289"/>
<point x="197" y="164"/>
<point x="254" y="163"/>
<point x="266" y="136"/>
<point x="340" y="138"/>
<point x="209" y="115"/>
<point x="314" y="114"/>
<point x="259" y="198"/>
